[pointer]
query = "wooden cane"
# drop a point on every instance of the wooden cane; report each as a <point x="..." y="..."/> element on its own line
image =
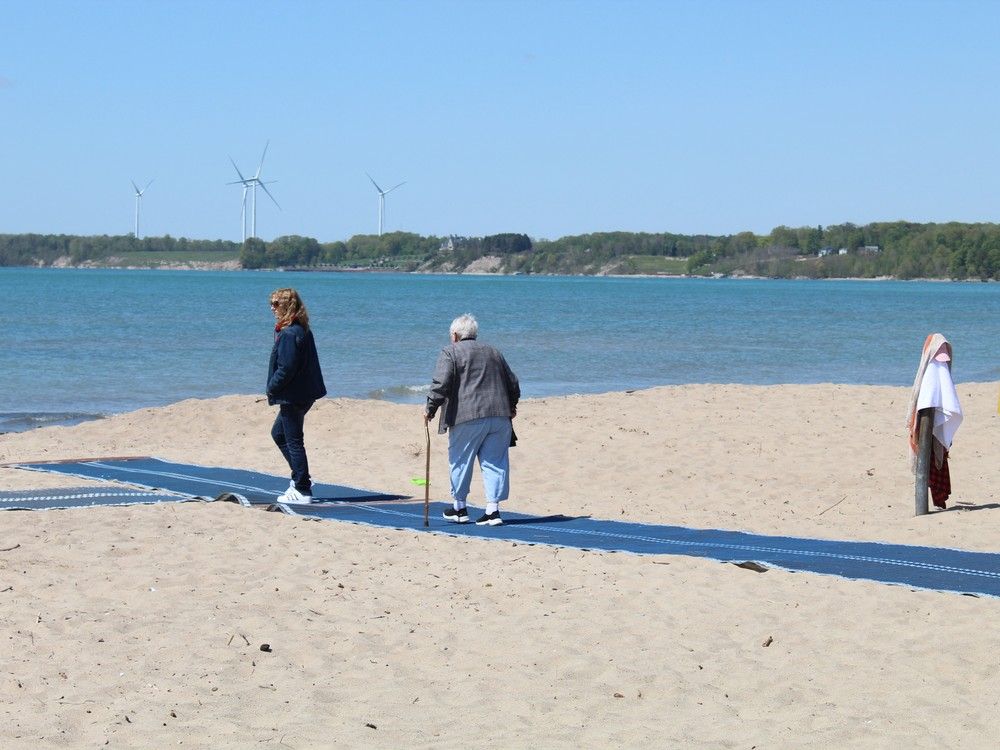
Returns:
<point x="427" y="478"/>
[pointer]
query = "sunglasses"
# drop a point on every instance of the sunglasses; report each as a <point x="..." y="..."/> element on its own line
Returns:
<point x="274" y="304"/>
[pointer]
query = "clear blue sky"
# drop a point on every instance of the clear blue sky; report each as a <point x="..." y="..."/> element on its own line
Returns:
<point x="549" y="118"/>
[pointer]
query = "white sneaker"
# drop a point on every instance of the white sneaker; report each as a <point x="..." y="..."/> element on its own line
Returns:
<point x="293" y="497"/>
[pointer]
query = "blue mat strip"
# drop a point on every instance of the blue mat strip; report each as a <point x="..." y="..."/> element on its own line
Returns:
<point x="933" y="568"/>
<point x="82" y="497"/>
<point x="201" y="481"/>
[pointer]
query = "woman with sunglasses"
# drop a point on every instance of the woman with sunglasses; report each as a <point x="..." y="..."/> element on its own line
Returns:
<point x="294" y="382"/>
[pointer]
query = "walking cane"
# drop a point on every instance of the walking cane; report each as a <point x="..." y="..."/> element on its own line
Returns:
<point x="427" y="477"/>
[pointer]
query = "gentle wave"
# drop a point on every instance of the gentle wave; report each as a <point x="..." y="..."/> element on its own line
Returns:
<point x="24" y="421"/>
<point x="401" y="394"/>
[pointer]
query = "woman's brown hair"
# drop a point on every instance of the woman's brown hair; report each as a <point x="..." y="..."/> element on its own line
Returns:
<point x="290" y="307"/>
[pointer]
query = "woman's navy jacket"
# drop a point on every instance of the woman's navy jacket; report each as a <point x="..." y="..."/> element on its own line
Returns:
<point x="293" y="375"/>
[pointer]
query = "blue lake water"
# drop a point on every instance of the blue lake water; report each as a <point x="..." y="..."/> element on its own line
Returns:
<point x="81" y="342"/>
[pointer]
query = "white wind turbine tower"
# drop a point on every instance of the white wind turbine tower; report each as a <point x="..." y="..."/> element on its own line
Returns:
<point x="252" y="183"/>
<point x="243" y="204"/>
<point x="138" y="198"/>
<point x="381" y="201"/>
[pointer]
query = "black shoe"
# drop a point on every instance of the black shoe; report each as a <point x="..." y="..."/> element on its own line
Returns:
<point x="458" y="516"/>
<point x="490" y="519"/>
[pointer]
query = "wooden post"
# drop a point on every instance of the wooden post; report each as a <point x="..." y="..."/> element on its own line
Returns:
<point x="925" y="439"/>
<point x="427" y="478"/>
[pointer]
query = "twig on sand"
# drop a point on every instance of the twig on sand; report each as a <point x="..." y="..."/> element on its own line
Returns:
<point x="832" y="506"/>
<point x="8" y="549"/>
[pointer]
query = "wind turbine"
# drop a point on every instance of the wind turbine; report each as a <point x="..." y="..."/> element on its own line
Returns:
<point x="251" y="183"/>
<point x="138" y="197"/>
<point x="381" y="201"/>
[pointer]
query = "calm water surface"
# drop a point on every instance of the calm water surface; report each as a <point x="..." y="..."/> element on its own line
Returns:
<point x="80" y="342"/>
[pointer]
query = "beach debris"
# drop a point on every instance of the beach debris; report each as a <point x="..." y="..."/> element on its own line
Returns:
<point x="767" y="642"/>
<point x="619" y="695"/>
<point x="370" y="725"/>
<point x="265" y="647"/>
<point x="418" y="480"/>
<point x="751" y="565"/>
<point x="833" y="506"/>
<point x="8" y="549"/>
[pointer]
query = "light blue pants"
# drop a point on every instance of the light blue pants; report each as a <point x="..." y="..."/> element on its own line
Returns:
<point x="487" y="439"/>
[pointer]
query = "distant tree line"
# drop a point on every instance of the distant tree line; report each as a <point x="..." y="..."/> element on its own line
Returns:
<point x="902" y="250"/>
<point x="396" y="250"/>
<point x="46" y="249"/>
<point x="400" y="250"/>
<point x="893" y="249"/>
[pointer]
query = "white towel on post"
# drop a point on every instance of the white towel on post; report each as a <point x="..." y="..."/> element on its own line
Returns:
<point x="937" y="391"/>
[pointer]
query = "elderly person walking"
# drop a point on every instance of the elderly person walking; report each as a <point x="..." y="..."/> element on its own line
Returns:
<point x="477" y="394"/>
<point x="294" y="382"/>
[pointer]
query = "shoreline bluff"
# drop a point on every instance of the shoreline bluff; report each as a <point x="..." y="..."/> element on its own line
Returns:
<point x="476" y="270"/>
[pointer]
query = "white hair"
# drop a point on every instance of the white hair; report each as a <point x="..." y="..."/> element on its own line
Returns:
<point x="465" y="326"/>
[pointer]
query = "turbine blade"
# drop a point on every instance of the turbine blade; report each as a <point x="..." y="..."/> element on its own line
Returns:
<point x="374" y="183"/>
<point x="261" y="165"/>
<point x="268" y="193"/>
<point x="148" y="184"/>
<point x="394" y="187"/>
<point x="242" y="178"/>
<point x="137" y="190"/>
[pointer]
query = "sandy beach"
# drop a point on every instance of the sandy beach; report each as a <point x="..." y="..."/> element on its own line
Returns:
<point x="142" y="626"/>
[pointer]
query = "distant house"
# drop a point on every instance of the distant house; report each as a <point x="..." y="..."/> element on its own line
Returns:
<point x="824" y="251"/>
<point x="842" y="251"/>
<point x="870" y="250"/>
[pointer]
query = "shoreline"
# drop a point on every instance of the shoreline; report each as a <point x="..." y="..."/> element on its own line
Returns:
<point x="195" y="266"/>
<point x="43" y="419"/>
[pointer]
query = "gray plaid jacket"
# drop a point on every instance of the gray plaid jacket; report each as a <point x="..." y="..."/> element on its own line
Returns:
<point x="471" y="380"/>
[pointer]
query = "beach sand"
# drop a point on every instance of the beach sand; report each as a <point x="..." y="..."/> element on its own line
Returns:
<point x="142" y="626"/>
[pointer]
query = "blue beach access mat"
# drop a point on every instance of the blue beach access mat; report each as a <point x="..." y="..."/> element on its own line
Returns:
<point x="932" y="568"/>
<point x="83" y="497"/>
<point x="249" y="487"/>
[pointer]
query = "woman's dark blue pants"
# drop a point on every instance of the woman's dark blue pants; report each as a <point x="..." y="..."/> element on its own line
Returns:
<point x="288" y="436"/>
